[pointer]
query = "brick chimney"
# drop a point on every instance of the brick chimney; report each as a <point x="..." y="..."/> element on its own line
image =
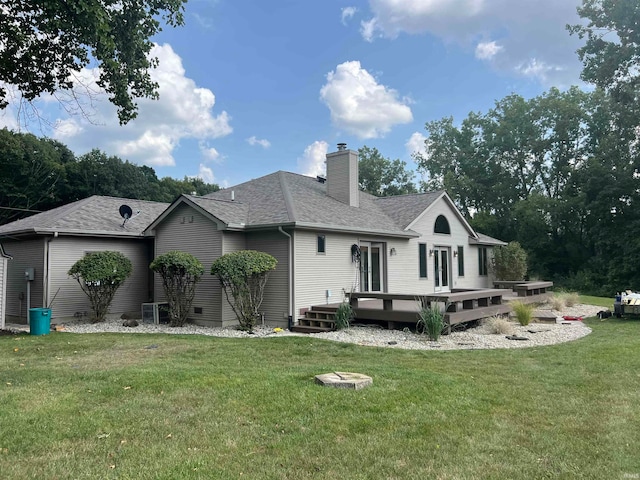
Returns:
<point x="342" y="176"/>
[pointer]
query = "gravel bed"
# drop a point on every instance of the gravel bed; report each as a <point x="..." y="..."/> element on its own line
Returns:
<point x="537" y="334"/>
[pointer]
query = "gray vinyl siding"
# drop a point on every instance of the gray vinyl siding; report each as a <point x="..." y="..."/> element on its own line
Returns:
<point x="25" y="253"/>
<point x="276" y="297"/>
<point x="3" y="283"/>
<point x="188" y="230"/>
<point x="316" y="273"/>
<point x="70" y="300"/>
<point x="231" y="242"/>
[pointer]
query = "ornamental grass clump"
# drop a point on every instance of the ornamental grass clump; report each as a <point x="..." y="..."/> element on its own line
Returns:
<point x="431" y="322"/>
<point x="557" y="301"/>
<point x="344" y="316"/>
<point x="523" y="312"/>
<point x="498" y="325"/>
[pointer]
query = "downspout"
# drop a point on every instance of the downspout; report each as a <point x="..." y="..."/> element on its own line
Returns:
<point x="291" y="300"/>
<point x="47" y="286"/>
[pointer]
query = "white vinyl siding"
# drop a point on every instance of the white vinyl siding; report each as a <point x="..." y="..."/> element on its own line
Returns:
<point x="404" y="272"/>
<point x="70" y="300"/>
<point x="315" y="274"/>
<point x="187" y="230"/>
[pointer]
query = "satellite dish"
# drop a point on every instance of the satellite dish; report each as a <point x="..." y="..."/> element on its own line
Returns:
<point x="125" y="212"/>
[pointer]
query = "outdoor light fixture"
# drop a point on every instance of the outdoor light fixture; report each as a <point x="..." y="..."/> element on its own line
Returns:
<point x="431" y="252"/>
<point x="392" y="252"/>
<point x="455" y="253"/>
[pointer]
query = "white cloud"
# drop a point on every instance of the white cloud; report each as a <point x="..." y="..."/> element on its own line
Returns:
<point x="487" y="50"/>
<point x="209" y="153"/>
<point x="415" y="144"/>
<point x="368" y="29"/>
<point x="253" y="141"/>
<point x="538" y="69"/>
<point x="312" y="161"/>
<point x="205" y="174"/>
<point x="183" y="111"/>
<point x="360" y="105"/>
<point x="523" y="30"/>
<point x="347" y="13"/>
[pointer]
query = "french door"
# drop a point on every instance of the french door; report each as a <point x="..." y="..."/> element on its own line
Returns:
<point x="441" y="269"/>
<point x="371" y="267"/>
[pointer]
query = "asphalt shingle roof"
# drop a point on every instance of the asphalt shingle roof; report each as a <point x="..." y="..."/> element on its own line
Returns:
<point x="284" y="197"/>
<point x="96" y="215"/>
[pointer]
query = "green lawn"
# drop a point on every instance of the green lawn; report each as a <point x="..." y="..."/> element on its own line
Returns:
<point x="167" y="407"/>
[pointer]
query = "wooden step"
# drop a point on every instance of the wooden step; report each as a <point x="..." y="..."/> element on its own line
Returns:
<point x="309" y="329"/>
<point x="316" y="322"/>
<point x="320" y="314"/>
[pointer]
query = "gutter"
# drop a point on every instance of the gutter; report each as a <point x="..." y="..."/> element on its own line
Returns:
<point x="291" y="291"/>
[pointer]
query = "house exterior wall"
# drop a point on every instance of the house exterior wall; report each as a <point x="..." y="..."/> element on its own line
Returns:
<point x="315" y="273"/>
<point x="70" y="300"/>
<point x="408" y="261"/>
<point x="25" y="253"/>
<point x="275" y="305"/>
<point x="231" y="242"/>
<point x="3" y="284"/>
<point x="188" y="230"/>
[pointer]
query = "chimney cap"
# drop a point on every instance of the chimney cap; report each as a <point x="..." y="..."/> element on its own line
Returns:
<point x="342" y="147"/>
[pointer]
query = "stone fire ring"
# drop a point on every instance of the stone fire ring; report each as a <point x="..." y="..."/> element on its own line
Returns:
<point x="355" y="381"/>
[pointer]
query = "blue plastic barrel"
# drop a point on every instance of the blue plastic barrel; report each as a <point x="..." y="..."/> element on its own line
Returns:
<point x="39" y="321"/>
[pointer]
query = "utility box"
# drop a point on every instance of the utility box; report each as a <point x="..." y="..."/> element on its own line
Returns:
<point x="156" y="313"/>
<point x="29" y="274"/>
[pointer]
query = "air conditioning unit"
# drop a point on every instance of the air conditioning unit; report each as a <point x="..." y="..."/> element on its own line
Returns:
<point x="157" y="312"/>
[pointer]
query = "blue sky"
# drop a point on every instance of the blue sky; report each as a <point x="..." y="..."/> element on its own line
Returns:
<point x="251" y="87"/>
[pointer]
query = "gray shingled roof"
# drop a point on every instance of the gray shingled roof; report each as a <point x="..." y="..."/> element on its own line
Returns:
<point x="287" y="198"/>
<point x="485" y="240"/>
<point x="406" y="208"/>
<point x="96" y="215"/>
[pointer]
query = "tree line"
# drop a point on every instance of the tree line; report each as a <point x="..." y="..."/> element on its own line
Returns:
<point x="37" y="174"/>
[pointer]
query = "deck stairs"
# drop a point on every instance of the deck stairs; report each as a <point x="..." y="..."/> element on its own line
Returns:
<point x="316" y="320"/>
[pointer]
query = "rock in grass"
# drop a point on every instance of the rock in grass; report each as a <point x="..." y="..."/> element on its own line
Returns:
<point x="130" y="323"/>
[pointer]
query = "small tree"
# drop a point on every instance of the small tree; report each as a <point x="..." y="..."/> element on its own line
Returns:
<point x="180" y="272"/>
<point x="509" y="262"/>
<point x="243" y="276"/>
<point x="100" y="274"/>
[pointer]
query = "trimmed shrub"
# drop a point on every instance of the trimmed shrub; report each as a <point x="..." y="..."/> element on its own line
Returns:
<point x="523" y="311"/>
<point x="244" y="276"/>
<point x="180" y="272"/>
<point x="509" y="262"/>
<point x="100" y="274"/>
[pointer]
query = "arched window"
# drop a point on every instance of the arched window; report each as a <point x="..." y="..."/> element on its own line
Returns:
<point x="442" y="225"/>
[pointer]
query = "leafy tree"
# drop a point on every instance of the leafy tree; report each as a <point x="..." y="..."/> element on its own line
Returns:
<point x="32" y="171"/>
<point x="244" y="276"/>
<point x="180" y="272"/>
<point x="509" y="262"/>
<point x="100" y="274"/>
<point x="45" y="43"/>
<point x="611" y="54"/>
<point x="381" y="176"/>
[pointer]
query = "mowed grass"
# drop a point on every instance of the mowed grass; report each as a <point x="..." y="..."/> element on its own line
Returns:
<point x="176" y="406"/>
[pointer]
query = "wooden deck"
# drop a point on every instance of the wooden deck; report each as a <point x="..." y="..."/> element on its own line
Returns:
<point x="459" y="306"/>
<point x="526" y="292"/>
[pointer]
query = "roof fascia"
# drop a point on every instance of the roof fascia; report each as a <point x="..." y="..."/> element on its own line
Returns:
<point x="178" y="201"/>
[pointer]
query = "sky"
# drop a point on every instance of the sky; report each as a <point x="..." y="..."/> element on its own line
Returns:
<point x="249" y="87"/>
